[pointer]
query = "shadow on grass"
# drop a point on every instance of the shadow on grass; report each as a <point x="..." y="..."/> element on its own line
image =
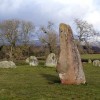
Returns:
<point x="52" y="79"/>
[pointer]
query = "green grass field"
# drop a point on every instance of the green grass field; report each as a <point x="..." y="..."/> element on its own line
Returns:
<point x="41" y="83"/>
<point x="90" y="56"/>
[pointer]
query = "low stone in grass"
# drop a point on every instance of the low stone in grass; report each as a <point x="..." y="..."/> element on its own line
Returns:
<point x="7" y="64"/>
<point x="96" y="63"/>
<point x="33" y="61"/>
<point x="89" y="61"/>
<point x="51" y="60"/>
<point x="27" y="60"/>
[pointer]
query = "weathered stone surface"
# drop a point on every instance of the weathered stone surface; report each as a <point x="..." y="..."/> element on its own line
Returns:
<point x="27" y="60"/>
<point x="7" y="64"/>
<point x="51" y="60"/>
<point x="96" y="63"/>
<point x="33" y="61"/>
<point x="89" y="61"/>
<point x="69" y="64"/>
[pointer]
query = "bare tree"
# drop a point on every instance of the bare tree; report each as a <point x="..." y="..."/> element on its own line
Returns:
<point x="85" y="31"/>
<point x="14" y="32"/>
<point x="27" y="28"/>
<point x="49" y="37"/>
<point x="9" y="34"/>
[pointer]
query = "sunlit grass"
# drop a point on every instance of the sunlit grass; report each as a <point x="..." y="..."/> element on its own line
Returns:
<point x="90" y="56"/>
<point x="42" y="83"/>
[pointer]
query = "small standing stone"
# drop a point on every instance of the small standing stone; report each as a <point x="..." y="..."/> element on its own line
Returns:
<point x="89" y="61"/>
<point x="96" y="63"/>
<point x="27" y="60"/>
<point x="33" y="61"/>
<point x="51" y="60"/>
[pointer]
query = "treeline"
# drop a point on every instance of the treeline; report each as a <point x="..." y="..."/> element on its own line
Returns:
<point x="15" y="38"/>
<point x="12" y="33"/>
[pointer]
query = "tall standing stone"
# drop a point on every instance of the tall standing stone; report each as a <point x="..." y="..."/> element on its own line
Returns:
<point x="69" y="64"/>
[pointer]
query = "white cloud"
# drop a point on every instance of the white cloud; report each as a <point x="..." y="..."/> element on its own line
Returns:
<point x="41" y="11"/>
<point x="94" y="18"/>
<point x="10" y="5"/>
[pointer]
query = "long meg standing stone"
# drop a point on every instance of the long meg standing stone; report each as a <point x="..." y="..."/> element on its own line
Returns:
<point x="69" y="64"/>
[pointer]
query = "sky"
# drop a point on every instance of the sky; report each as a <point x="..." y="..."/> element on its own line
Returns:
<point x="57" y="11"/>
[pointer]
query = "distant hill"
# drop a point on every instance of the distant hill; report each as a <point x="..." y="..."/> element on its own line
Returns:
<point x="37" y="43"/>
<point x="95" y="46"/>
<point x="96" y="49"/>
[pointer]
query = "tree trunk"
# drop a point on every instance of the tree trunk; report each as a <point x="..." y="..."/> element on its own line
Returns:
<point x="50" y="48"/>
<point x="11" y="53"/>
<point x="69" y="64"/>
